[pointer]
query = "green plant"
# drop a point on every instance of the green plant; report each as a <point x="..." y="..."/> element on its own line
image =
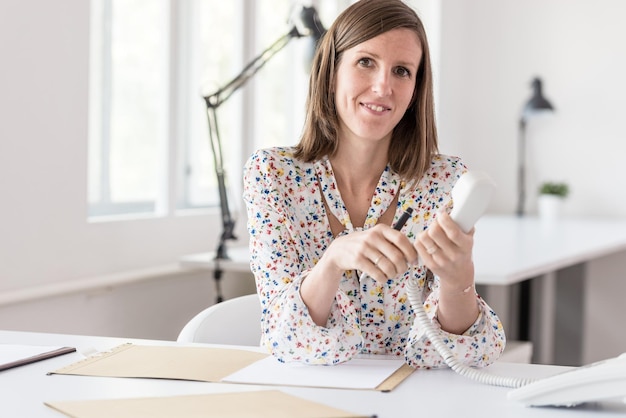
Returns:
<point x="556" y="189"/>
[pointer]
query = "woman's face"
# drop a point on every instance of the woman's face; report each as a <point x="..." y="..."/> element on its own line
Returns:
<point x="374" y="85"/>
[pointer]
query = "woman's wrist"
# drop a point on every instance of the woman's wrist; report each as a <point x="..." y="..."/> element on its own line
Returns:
<point x="457" y="289"/>
<point x="458" y="307"/>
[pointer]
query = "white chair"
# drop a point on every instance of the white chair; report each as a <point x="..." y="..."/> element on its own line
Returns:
<point x="234" y="321"/>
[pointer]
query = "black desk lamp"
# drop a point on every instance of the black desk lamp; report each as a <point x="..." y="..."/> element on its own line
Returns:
<point x="535" y="105"/>
<point x="309" y="25"/>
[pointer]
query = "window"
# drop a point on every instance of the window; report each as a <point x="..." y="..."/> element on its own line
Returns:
<point x="152" y="61"/>
<point x="126" y="151"/>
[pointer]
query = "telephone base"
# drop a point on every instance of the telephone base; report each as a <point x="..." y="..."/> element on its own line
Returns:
<point x="601" y="381"/>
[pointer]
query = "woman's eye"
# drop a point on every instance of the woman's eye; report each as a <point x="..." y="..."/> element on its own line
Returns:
<point x="403" y="72"/>
<point x="365" y="62"/>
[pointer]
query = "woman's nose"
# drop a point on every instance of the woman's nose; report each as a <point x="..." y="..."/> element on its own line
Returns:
<point x="381" y="83"/>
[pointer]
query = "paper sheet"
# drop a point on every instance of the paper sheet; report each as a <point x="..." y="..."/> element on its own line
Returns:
<point x="258" y="404"/>
<point x="358" y="373"/>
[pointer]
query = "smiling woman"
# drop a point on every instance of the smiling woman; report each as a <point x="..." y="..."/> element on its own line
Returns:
<point x="320" y="213"/>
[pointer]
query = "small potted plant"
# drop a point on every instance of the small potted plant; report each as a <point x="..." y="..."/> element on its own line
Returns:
<point x="551" y="198"/>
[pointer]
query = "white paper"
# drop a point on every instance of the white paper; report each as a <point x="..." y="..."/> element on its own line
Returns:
<point x="358" y="373"/>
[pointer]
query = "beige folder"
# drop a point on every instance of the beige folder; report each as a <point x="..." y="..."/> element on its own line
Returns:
<point x="205" y="364"/>
<point x="258" y="404"/>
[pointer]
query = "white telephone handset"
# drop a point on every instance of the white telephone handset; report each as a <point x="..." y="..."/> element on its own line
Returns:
<point x="598" y="381"/>
<point x="470" y="196"/>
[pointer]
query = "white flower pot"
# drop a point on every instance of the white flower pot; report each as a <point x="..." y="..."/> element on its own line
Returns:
<point x="550" y="207"/>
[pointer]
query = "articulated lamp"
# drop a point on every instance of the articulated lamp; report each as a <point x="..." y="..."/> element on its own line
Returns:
<point x="309" y="24"/>
<point x="536" y="104"/>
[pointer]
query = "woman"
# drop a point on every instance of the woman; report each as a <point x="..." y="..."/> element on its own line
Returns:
<point x="320" y="214"/>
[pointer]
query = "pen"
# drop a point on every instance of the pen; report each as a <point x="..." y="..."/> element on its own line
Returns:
<point x="405" y="217"/>
<point x="398" y="226"/>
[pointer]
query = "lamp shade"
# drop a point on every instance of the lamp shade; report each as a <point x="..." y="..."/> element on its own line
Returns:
<point x="537" y="102"/>
<point x="311" y="21"/>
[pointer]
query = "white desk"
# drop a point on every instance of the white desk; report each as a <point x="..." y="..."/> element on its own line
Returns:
<point x="238" y="261"/>
<point x="509" y="250"/>
<point x="436" y="393"/>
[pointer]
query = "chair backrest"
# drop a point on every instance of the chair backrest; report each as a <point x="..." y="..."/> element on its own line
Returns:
<point x="234" y="321"/>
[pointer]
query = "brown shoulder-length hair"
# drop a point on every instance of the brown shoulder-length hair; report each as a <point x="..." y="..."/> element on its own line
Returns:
<point x="414" y="139"/>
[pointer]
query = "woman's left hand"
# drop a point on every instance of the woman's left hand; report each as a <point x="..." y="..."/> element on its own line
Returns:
<point x="447" y="251"/>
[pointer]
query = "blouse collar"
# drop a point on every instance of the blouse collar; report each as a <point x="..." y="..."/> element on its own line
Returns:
<point x="384" y="194"/>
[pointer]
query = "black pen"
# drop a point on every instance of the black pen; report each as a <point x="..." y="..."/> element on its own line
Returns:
<point x="398" y="226"/>
<point x="405" y="217"/>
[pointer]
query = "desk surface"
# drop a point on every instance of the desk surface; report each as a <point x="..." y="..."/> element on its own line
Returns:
<point x="507" y="249"/>
<point x="425" y="393"/>
<point x="510" y="249"/>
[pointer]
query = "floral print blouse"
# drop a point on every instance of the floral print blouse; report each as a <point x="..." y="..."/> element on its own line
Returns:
<point x="289" y="232"/>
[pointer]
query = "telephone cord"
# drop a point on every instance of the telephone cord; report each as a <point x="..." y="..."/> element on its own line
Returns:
<point x="415" y="295"/>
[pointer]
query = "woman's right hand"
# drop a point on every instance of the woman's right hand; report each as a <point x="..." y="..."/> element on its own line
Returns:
<point x="381" y="252"/>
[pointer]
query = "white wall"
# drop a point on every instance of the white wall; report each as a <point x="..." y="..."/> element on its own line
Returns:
<point x="491" y="49"/>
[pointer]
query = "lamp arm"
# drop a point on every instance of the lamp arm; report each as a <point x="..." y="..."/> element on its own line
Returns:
<point x="215" y="99"/>
<point x="228" y="224"/>
<point x="213" y="102"/>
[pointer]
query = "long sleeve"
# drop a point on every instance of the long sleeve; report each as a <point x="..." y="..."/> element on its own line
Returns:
<point x="288" y="235"/>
